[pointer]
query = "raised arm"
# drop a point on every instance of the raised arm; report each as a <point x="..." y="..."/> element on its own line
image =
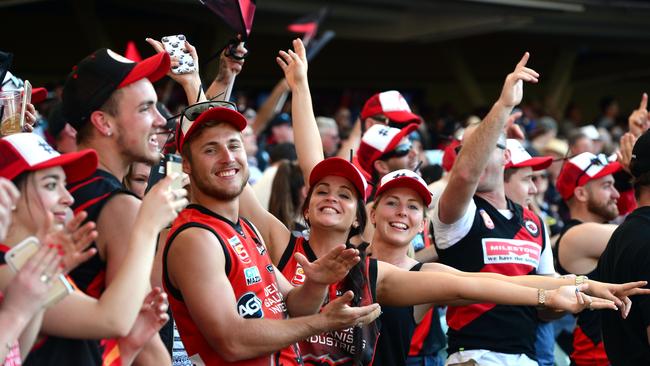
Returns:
<point x="229" y="68"/>
<point x="114" y="313"/>
<point x="478" y="147"/>
<point x="307" y="138"/>
<point x="191" y="82"/>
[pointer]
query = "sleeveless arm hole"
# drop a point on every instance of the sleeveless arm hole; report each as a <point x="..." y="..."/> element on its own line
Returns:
<point x="288" y="252"/>
<point x="173" y="291"/>
<point x="372" y="277"/>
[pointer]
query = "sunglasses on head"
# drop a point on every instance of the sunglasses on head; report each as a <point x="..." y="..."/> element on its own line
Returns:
<point x="399" y="151"/>
<point x="499" y="146"/>
<point x="192" y="112"/>
<point x="599" y="160"/>
<point x="382" y="119"/>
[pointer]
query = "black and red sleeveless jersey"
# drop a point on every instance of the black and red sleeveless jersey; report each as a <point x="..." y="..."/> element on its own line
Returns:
<point x="91" y="195"/>
<point x="251" y="275"/>
<point x="588" y="347"/>
<point x="510" y="247"/>
<point x="347" y="347"/>
<point x="428" y="338"/>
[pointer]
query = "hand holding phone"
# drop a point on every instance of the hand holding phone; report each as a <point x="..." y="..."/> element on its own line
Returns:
<point x="175" y="47"/>
<point x="173" y="164"/>
<point x="16" y="258"/>
<point x="27" y="98"/>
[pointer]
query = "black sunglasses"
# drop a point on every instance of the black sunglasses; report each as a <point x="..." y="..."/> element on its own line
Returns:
<point x="599" y="160"/>
<point x="399" y="151"/>
<point x="499" y="145"/>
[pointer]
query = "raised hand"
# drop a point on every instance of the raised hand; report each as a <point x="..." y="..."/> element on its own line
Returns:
<point x="618" y="293"/>
<point x="571" y="298"/>
<point x="624" y="154"/>
<point x="153" y="315"/>
<point x="513" y="90"/>
<point x="230" y="67"/>
<point x="161" y="204"/>
<point x="9" y="195"/>
<point x="638" y="122"/>
<point x="337" y="314"/>
<point x="331" y="268"/>
<point x="182" y="79"/>
<point x="294" y="64"/>
<point x="28" y="290"/>
<point x="512" y="130"/>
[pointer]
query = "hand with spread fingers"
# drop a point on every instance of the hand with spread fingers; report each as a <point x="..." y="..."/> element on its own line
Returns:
<point x="618" y="293"/>
<point x="153" y="315"/>
<point x="513" y="90"/>
<point x="638" y="122"/>
<point x="294" y="64"/>
<point x="573" y="299"/>
<point x="338" y="314"/>
<point x="330" y="268"/>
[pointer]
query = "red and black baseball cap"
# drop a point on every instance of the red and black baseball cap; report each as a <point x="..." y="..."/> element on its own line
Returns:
<point x="96" y="77"/>
<point x="25" y="152"/>
<point x="379" y="140"/>
<point x="407" y="179"/>
<point x="581" y="169"/>
<point x="520" y="158"/>
<point x="194" y="115"/>
<point x="392" y="105"/>
<point x="341" y="168"/>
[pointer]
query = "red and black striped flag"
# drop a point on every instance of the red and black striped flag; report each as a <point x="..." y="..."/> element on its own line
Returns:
<point x="238" y="14"/>
<point x="308" y="25"/>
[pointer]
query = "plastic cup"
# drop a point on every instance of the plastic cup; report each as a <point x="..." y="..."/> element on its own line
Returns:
<point x="10" y="105"/>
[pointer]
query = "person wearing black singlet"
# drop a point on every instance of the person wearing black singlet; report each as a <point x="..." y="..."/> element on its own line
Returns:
<point x="586" y="184"/>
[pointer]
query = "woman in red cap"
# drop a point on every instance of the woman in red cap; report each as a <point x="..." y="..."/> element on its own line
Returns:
<point x="335" y="211"/>
<point x="67" y="327"/>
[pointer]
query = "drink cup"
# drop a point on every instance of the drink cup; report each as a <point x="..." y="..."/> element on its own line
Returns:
<point x="10" y="108"/>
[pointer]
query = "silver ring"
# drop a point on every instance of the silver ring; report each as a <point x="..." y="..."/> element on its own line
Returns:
<point x="44" y="278"/>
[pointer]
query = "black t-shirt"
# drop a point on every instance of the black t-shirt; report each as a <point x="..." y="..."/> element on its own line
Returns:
<point x="627" y="258"/>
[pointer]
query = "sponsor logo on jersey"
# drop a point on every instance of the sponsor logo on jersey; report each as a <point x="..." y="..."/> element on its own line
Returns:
<point x="239" y="249"/>
<point x="299" y="277"/>
<point x="252" y="275"/>
<point x="250" y="306"/>
<point x="269" y="268"/>
<point x="273" y="300"/>
<point x="532" y="228"/>
<point x="513" y="251"/>
<point x="260" y="247"/>
<point x="487" y="220"/>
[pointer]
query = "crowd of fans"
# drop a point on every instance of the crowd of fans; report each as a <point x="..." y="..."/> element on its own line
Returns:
<point x="317" y="240"/>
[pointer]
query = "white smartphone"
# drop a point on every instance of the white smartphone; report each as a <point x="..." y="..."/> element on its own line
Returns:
<point x="27" y="98"/>
<point x="17" y="256"/>
<point x="175" y="46"/>
<point x="173" y="164"/>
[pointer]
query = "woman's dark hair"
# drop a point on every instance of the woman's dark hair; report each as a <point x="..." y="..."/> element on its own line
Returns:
<point x="286" y="198"/>
<point x="356" y="279"/>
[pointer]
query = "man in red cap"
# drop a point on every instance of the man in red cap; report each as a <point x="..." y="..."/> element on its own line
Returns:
<point x="477" y="228"/>
<point x="586" y="185"/>
<point x="518" y="174"/>
<point x="388" y="108"/>
<point x="229" y="301"/>
<point x="111" y="102"/>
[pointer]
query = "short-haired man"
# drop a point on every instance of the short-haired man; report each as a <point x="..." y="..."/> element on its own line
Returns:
<point x="586" y="184"/>
<point x="627" y="255"/>
<point x="329" y="135"/>
<point x="477" y="229"/>
<point x="227" y="297"/>
<point x="111" y="102"/>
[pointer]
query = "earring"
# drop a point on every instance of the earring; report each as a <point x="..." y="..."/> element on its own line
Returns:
<point x="355" y="225"/>
<point x="109" y="134"/>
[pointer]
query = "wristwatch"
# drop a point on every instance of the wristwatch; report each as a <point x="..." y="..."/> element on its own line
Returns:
<point x="581" y="279"/>
<point x="541" y="298"/>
